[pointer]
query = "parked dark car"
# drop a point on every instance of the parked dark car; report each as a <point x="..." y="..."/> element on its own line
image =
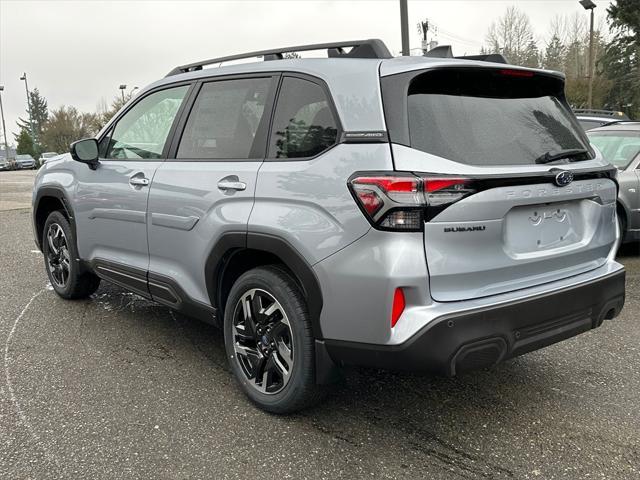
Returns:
<point x="25" y="161"/>
<point x="620" y="144"/>
<point x="590" y="118"/>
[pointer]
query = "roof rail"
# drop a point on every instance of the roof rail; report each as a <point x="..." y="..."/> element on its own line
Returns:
<point x="371" y="48"/>
<point x="617" y="122"/>
<point x="490" y="57"/>
<point x="445" y="51"/>
<point x="602" y="113"/>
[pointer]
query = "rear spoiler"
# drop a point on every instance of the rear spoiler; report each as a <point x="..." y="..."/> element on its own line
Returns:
<point x="445" y="51"/>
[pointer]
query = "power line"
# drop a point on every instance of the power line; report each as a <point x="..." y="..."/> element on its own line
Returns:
<point x="457" y="37"/>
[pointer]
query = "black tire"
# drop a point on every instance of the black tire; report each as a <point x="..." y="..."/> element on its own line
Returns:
<point x="300" y="389"/>
<point x="77" y="285"/>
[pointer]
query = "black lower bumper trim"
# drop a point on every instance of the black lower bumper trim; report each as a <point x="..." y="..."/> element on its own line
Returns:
<point x="481" y="338"/>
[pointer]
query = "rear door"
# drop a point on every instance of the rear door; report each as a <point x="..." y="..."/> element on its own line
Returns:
<point x="509" y="222"/>
<point x="206" y="188"/>
<point x="111" y="201"/>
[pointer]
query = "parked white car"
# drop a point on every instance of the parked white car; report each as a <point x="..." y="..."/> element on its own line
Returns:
<point x="46" y="156"/>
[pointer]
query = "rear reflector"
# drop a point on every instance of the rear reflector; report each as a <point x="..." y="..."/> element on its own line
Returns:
<point x="370" y="200"/>
<point x="398" y="306"/>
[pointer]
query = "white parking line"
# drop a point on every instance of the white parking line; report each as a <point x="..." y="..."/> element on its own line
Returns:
<point x="14" y="399"/>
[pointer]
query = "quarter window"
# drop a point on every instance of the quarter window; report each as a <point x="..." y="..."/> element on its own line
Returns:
<point x="225" y="119"/>
<point x="303" y="124"/>
<point x="142" y="132"/>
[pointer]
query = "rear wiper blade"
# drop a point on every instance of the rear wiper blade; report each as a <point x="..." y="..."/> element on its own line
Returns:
<point x="554" y="155"/>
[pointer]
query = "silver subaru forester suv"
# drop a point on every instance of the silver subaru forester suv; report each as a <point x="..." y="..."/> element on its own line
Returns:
<point x="421" y="213"/>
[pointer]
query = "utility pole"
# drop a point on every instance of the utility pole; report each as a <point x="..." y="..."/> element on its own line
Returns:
<point x="404" y="27"/>
<point x="26" y="87"/>
<point x="424" y="26"/>
<point x="589" y="5"/>
<point x="4" y="128"/>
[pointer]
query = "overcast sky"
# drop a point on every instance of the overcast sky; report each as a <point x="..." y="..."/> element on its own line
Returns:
<point x="79" y="52"/>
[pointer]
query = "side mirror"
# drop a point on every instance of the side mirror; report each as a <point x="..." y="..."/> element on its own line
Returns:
<point x="86" y="151"/>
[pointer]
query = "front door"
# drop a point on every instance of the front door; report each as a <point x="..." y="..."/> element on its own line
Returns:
<point x="111" y="201"/>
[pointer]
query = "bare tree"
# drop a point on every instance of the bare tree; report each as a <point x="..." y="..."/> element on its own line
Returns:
<point x="66" y="125"/>
<point x="512" y="36"/>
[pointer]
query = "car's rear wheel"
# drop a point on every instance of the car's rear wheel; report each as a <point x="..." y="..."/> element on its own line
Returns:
<point x="61" y="260"/>
<point x="269" y="341"/>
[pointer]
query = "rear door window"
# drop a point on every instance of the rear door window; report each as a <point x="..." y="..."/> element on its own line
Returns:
<point x="489" y="116"/>
<point x="225" y="119"/>
<point x="303" y="124"/>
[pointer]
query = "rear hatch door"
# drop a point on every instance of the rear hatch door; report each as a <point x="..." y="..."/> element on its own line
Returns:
<point x="520" y="222"/>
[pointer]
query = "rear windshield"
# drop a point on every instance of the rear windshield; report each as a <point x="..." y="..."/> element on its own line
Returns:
<point x="619" y="148"/>
<point x="490" y="116"/>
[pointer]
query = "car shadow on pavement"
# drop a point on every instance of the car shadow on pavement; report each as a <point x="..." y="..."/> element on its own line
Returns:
<point x="437" y="420"/>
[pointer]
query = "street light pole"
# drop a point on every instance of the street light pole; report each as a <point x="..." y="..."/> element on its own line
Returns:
<point x="591" y="60"/>
<point x="26" y="87"/>
<point x="589" y="5"/>
<point x="404" y="27"/>
<point x="122" y="89"/>
<point x="4" y="128"/>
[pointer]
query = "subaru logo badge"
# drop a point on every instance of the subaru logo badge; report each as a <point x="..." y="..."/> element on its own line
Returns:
<point x="563" y="178"/>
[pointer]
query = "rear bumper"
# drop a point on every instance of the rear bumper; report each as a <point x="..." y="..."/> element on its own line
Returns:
<point x="483" y="337"/>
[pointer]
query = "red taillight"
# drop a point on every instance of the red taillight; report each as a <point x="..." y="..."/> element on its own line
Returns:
<point x="516" y="73"/>
<point x="402" y="202"/>
<point x="391" y="184"/>
<point x="398" y="306"/>
<point x="435" y="184"/>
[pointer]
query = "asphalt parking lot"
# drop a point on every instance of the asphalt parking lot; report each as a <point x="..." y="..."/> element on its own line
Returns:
<point x="118" y="387"/>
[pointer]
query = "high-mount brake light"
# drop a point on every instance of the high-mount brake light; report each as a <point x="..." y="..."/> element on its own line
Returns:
<point x="516" y="73"/>
<point x="404" y="202"/>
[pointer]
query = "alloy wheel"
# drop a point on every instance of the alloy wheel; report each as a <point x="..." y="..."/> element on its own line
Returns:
<point x="263" y="341"/>
<point x="58" y="257"/>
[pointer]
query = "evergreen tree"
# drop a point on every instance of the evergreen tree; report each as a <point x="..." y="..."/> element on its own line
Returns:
<point x="621" y="60"/>
<point x="39" y="117"/>
<point x="554" y="54"/>
<point x="25" y="144"/>
<point x="531" y="56"/>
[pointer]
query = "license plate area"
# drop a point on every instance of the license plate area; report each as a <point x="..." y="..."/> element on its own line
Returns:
<point x="542" y="227"/>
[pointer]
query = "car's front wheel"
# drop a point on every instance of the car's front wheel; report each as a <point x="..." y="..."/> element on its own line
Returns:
<point x="61" y="260"/>
<point x="269" y="341"/>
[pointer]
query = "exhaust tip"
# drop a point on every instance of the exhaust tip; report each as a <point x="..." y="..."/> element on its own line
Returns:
<point x="482" y="354"/>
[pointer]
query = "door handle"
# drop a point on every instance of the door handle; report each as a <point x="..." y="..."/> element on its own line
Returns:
<point x="229" y="185"/>
<point x="139" y="181"/>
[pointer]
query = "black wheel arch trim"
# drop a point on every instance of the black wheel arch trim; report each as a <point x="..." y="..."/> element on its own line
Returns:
<point x="60" y="194"/>
<point x="233" y="242"/>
